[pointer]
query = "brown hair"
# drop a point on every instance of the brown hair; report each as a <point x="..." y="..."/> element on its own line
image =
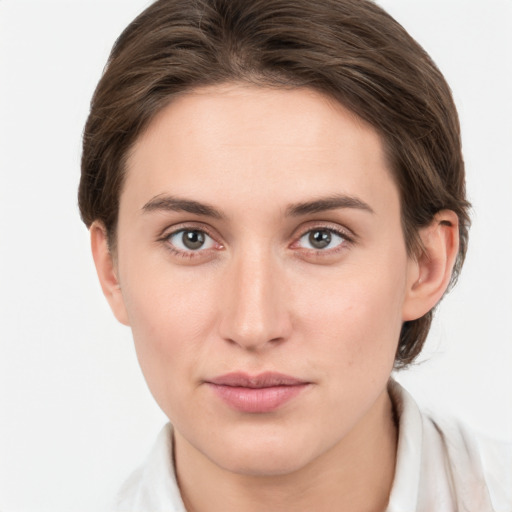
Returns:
<point x="350" y="50"/>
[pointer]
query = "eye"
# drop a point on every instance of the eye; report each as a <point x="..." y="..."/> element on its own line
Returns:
<point x="321" y="239"/>
<point x="187" y="240"/>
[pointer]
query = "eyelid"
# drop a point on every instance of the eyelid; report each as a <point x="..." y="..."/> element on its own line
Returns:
<point x="170" y="231"/>
<point x="346" y="234"/>
<point x="188" y="226"/>
<point x="209" y="242"/>
<point x="342" y="231"/>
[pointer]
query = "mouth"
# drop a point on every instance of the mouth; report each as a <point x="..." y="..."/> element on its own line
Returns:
<point x="261" y="393"/>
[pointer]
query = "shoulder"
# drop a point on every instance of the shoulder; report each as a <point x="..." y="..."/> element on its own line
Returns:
<point x="474" y="461"/>
<point x="497" y="465"/>
<point x="443" y="465"/>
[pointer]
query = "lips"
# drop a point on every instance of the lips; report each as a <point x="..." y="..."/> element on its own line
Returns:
<point x="261" y="393"/>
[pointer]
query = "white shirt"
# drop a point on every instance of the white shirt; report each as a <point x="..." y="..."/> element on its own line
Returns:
<point x="440" y="467"/>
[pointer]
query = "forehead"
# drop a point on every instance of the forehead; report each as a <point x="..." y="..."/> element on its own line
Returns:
<point x="257" y="144"/>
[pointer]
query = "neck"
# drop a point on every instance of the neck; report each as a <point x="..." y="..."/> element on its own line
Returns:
<point x="355" y="475"/>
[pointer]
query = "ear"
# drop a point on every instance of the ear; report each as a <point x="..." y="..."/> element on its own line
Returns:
<point x="107" y="272"/>
<point x="429" y="274"/>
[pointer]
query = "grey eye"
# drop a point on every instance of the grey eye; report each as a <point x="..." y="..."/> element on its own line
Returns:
<point x="191" y="240"/>
<point x="319" y="239"/>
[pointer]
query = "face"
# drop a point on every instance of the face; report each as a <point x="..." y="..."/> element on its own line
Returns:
<point x="263" y="271"/>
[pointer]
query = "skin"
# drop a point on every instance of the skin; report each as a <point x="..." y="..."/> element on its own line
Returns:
<point x="258" y="296"/>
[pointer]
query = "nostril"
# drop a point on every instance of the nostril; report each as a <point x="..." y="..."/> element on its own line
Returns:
<point x="254" y="344"/>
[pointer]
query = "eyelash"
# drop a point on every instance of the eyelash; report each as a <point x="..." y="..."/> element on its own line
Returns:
<point x="346" y="237"/>
<point x="333" y="231"/>
<point x="190" y="254"/>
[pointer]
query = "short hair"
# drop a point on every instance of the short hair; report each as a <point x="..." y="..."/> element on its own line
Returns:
<point x="349" y="50"/>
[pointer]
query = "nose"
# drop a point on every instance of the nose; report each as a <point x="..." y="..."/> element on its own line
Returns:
<point x="255" y="313"/>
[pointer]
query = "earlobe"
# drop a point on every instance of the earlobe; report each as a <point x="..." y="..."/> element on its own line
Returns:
<point x="106" y="270"/>
<point x="429" y="274"/>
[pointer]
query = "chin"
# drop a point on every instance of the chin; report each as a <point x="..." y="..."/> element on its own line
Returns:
<point x="264" y="455"/>
<point x="264" y="464"/>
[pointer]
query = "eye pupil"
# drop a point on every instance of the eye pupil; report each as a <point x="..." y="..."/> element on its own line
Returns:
<point x="193" y="239"/>
<point x="320" y="238"/>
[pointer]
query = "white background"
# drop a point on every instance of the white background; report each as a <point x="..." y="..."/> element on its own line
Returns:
<point x="75" y="414"/>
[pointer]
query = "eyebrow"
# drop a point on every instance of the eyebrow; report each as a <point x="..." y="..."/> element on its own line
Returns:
<point x="328" y="203"/>
<point x="176" y="204"/>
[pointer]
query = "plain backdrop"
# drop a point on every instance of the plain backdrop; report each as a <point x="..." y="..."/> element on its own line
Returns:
<point x="75" y="414"/>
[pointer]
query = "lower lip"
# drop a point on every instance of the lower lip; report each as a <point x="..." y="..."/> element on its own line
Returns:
<point x="257" y="400"/>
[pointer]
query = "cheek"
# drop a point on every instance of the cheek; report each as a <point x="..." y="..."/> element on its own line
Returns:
<point x="358" y="314"/>
<point x="171" y="318"/>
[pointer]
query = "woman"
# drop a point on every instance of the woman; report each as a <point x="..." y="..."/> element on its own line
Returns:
<point x="276" y="199"/>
